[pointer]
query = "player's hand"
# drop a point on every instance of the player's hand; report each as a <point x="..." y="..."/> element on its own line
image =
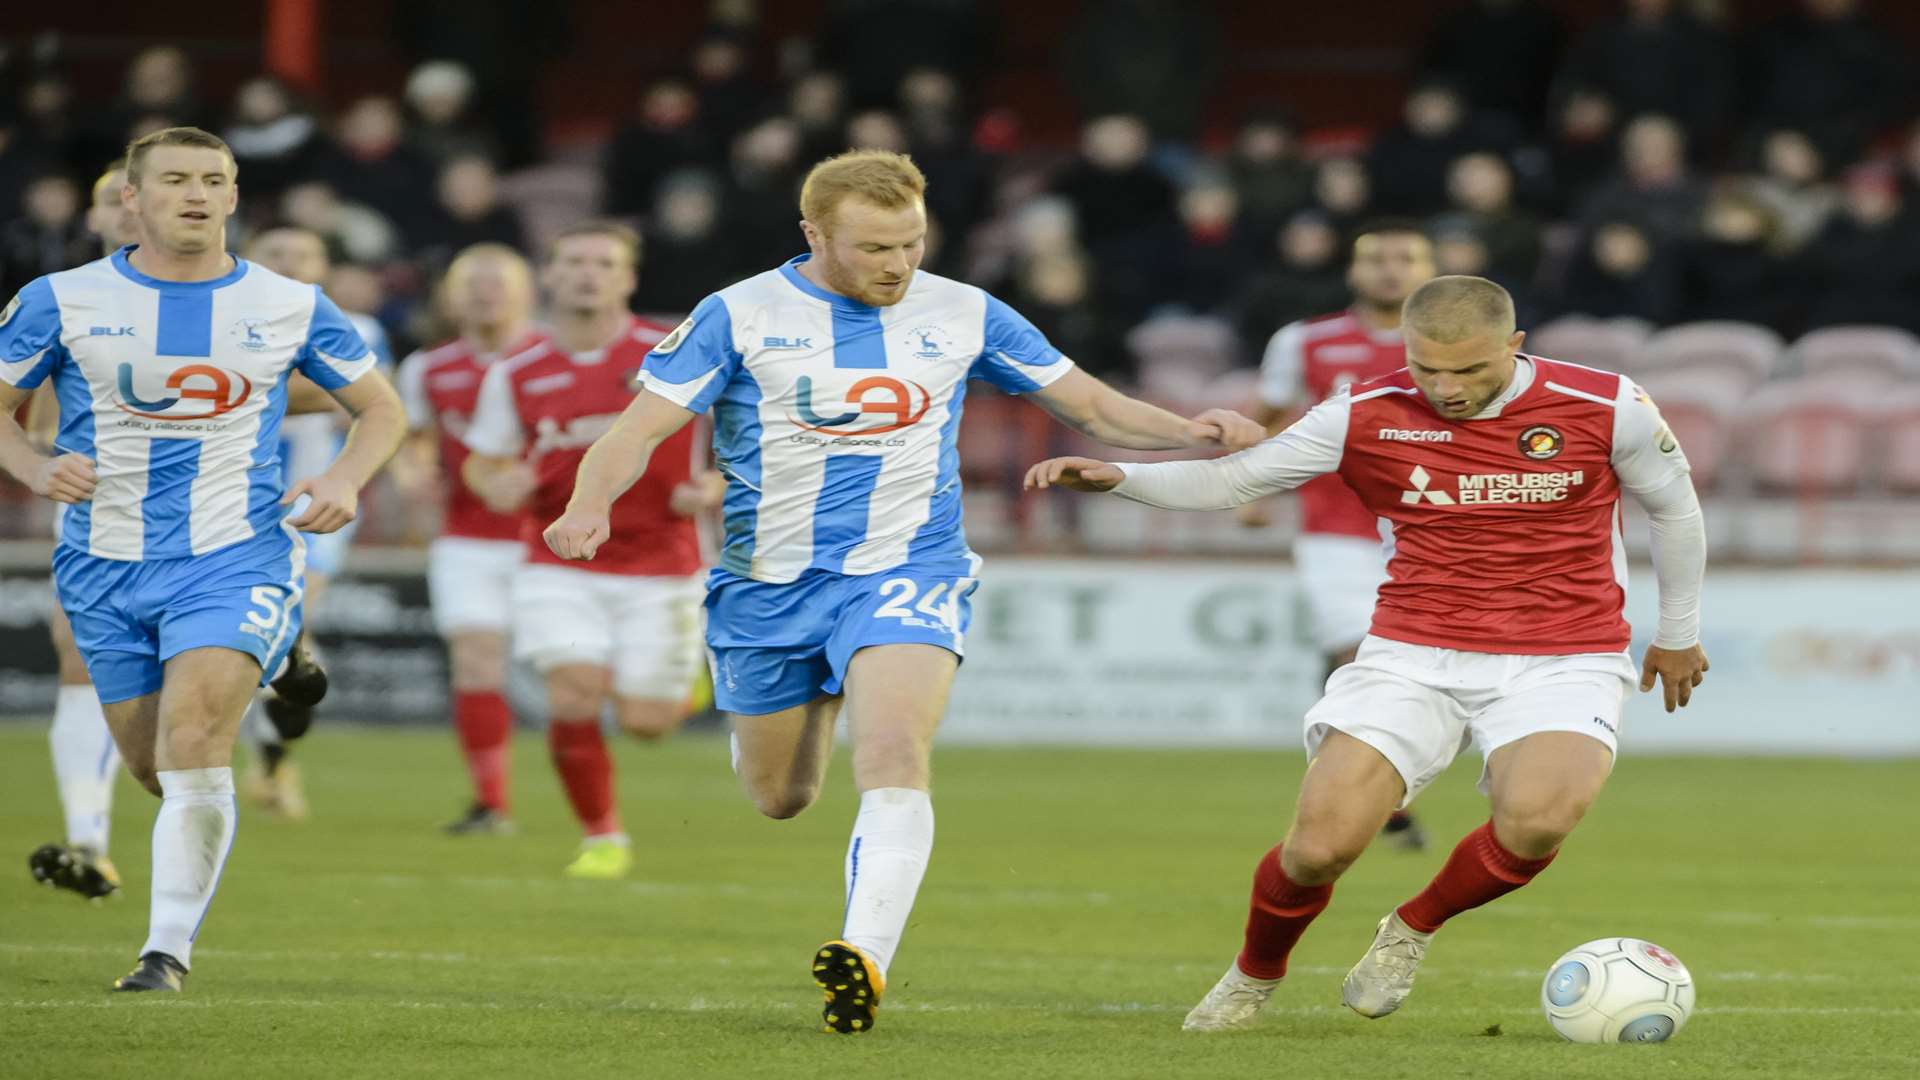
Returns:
<point x="694" y="497"/>
<point x="506" y="489"/>
<point x="1225" y="428"/>
<point x="68" y="478"/>
<point x="1679" y="671"/>
<point x="578" y="533"/>
<point x="1254" y="515"/>
<point x="331" y="503"/>
<point x="1075" y="474"/>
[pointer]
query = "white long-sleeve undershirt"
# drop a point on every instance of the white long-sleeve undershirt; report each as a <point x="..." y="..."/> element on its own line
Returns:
<point x="1650" y="465"/>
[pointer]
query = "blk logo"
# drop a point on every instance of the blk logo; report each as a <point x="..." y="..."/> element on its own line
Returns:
<point x="785" y="343"/>
<point x="221" y="390"/>
<point x="110" y="331"/>
<point x="875" y="395"/>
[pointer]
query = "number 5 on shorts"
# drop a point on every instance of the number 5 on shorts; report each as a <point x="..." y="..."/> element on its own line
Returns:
<point x="267" y="599"/>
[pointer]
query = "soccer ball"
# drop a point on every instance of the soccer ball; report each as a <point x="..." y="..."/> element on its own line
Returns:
<point x="1617" y="990"/>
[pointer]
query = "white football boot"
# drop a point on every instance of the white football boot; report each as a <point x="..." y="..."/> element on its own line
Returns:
<point x="1232" y="1005"/>
<point x="1384" y="977"/>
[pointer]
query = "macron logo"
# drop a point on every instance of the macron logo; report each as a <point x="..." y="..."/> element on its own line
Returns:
<point x="1421" y="478"/>
<point x="1404" y="435"/>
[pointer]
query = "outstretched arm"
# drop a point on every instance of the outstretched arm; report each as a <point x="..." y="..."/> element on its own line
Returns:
<point x="1307" y="449"/>
<point x="613" y="463"/>
<point x="1100" y="412"/>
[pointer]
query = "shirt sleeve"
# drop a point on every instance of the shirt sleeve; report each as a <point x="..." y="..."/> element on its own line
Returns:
<point x="1283" y="367"/>
<point x="411" y="381"/>
<point x="693" y="365"/>
<point x="334" y="354"/>
<point x="1679" y="533"/>
<point x="1014" y="355"/>
<point x="1645" y="456"/>
<point x="30" y="336"/>
<point x="1311" y="447"/>
<point x="495" y="429"/>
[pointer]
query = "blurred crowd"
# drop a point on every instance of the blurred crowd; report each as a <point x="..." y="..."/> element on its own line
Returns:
<point x="1660" y="164"/>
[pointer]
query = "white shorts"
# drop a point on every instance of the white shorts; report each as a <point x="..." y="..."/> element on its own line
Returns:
<point x="1419" y="705"/>
<point x="1339" y="575"/>
<point x="470" y="583"/>
<point x="646" y="629"/>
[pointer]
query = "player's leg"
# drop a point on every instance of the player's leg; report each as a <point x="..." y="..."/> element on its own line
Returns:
<point x="272" y="780"/>
<point x="85" y="761"/>
<point x="206" y="693"/>
<point x="781" y="757"/>
<point x="1340" y="577"/>
<point x="576" y="693"/>
<point x="469" y="583"/>
<point x="656" y="653"/>
<point x="131" y="725"/>
<point x="1379" y="736"/>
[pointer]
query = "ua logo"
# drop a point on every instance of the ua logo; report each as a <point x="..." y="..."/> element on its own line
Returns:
<point x="1420" y="478"/>
<point x="218" y="390"/>
<point x="876" y="394"/>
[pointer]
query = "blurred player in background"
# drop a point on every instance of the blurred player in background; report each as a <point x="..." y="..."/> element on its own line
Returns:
<point x="308" y="445"/>
<point x="488" y="294"/>
<point x="180" y="565"/>
<point x="1500" y="622"/>
<point x="1339" y="553"/>
<point x="836" y="382"/>
<point x="624" y="629"/>
<point x="85" y="761"/>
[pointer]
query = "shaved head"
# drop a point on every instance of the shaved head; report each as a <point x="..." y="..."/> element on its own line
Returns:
<point x="1455" y="308"/>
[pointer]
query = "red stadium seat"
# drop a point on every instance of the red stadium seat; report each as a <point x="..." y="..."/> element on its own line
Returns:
<point x="1753" y="351"/>
<point x="1179" y="355"/>
<point x="1900" y="468"/>
<point x="1811" y="435"/>
<point x="1608" y="344"/>
<point x="1881" y="350"/>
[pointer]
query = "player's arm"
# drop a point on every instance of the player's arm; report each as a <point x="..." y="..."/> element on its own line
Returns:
<point x="495" y="470"/>
<point x="414" y="466"/>
<point x="610" y="467"/>
<point x="67" y="478"/>
<point x="1653" y="469"/>
<point x="306" y="396"/>
<point x="1100" y="412"/>
<point x="1281" y="388"/>
<point x="379" y="423"/>
<point x="30" y="349"/>
<point x="1308" y="449"/>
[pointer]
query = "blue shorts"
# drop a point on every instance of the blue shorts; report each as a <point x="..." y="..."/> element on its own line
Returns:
<point x="130" y="618"/>
<point x="779" y="645"/>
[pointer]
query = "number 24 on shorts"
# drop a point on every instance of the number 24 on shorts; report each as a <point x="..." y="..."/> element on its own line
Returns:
<point x="941" y="604"/>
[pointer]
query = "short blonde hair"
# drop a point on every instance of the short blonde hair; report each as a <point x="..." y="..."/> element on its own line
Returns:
<point x="175" y="136"/>
<point x="1455" y="307"/>
<point x="628" y="239"/>
<point x="116" y="170"/>
<point x="886" y="179"/>
<point x="481" y="252"/>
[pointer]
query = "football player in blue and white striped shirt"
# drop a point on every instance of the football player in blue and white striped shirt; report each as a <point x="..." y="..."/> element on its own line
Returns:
<point x="180" y="563"/>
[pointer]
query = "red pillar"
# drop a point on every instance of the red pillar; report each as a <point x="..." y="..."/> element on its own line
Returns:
<point x="291" y="41"/>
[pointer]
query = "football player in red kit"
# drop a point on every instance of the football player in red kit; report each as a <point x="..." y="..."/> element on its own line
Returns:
<point x="1500" y="623"/>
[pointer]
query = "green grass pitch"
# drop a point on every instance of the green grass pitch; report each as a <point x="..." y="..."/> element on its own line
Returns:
<point x="1078" y="903"/>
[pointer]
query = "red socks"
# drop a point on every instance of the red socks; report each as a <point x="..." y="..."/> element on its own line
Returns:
<point x="1276" y="917"/>
<point x="586" y="770"/>
<point x="484" y="723"/>
<point x="1479" y="870"/>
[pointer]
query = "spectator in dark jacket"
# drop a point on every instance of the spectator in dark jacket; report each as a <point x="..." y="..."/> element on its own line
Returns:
<point x="1409" y="163"/>
<point x="1656" y="57"/>
<point x="1864" y="267"/>
<point x="1653" y="184"/>
<point x="666" y="136"/>
<point x="1618" y="272"/>
<point x="1501" y="53"/>
<point x="1731" y="270"/>
<point x="1828" y="70"/>
<point x="50" y="234"/>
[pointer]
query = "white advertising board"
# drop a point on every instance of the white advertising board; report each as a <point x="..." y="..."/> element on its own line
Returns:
<point x="1197" y="654"/>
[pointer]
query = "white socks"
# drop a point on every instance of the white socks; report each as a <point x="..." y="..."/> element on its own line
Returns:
<point x="191" y="838"/>
<point x="887" y="857"/>
<point x="85" y="764"/>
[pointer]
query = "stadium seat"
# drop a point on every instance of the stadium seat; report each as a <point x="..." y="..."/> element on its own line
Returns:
<point x="1810" y="436"/>
<point x="1900" y="469"/>
<point x="548" y="198"/>
<point x="1608" y="344"/>
<point x="1753" y="351"/>
<point x="1882" y="350"/>
<point x="1699" y="406"/>
<point x="1178" y="355"/>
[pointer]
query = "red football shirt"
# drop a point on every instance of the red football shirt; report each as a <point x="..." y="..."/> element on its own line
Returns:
<point x="550" y="406"/>
<point x="1308" y="362"/>
<point x="440" y="387"/>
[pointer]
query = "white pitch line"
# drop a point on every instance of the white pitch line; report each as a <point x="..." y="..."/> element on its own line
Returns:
<point x="638" y="956"/>
<point x="700" y="1004"/>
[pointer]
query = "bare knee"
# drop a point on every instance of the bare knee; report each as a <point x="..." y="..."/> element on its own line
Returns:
<point x="650" y="720"/>
<point x="1314" y="858"/>
<point x="891" y="759"/>
<point x="143" y="773"/>
<point x="782" y="800"/>
<point x="478" y="660"/>
<point x="1536" y="831"/>
<point x="576" y="692"/>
